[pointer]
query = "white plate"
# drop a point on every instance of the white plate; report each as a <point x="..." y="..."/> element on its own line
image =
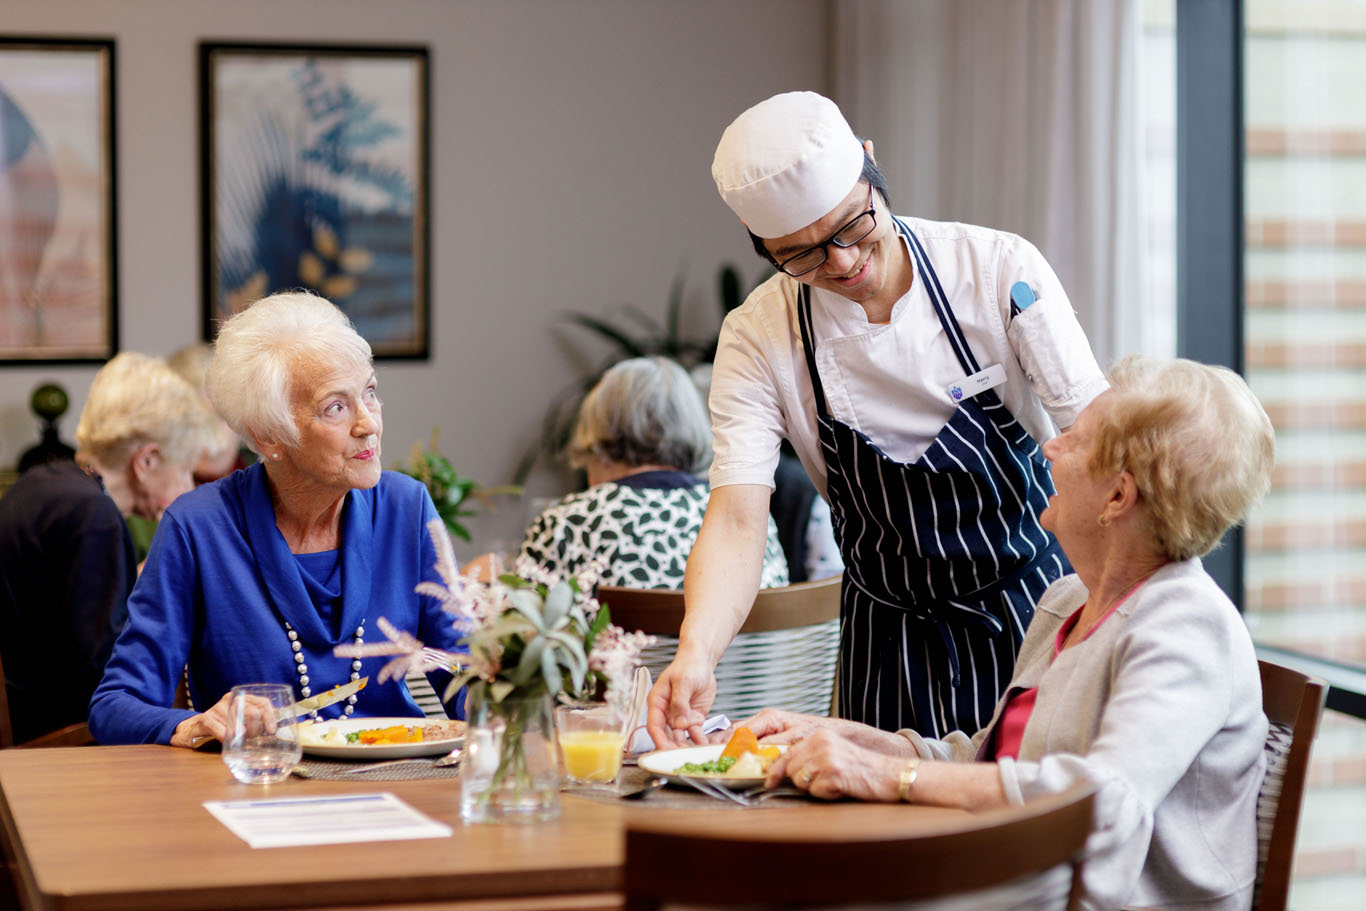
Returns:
<point x="308" y="731"/>
<point x="666" y="763"/>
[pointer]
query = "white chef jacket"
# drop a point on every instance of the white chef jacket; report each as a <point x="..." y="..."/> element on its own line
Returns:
<point x="891" y="381"/>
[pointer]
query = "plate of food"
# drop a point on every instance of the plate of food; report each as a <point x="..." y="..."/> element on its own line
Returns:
<point x="380" y="738"/>
<point x="741" y="763"/>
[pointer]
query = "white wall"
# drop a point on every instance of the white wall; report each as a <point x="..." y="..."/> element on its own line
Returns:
<point x="571" y="146"/>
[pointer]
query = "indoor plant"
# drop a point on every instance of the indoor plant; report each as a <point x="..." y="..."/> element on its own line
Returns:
<point x="531" y="637"/>
<point x="451" y="491"/>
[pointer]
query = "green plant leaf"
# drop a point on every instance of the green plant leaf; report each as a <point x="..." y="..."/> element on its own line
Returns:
<point x="577" y="659"/>
<point x="627" y="344"/>
<point x="456" y="683"/>
<point x="550" y="671"/>
<point x="528" y="604"/>
<point x="499" y="689"/>
<point x="530" y="662"/>
<point x="557" y="603"/>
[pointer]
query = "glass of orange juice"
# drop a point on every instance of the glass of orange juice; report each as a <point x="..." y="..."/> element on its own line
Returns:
<point x="591" y="740"/>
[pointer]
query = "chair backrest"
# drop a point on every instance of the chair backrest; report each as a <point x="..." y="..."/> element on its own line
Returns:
<point x="659" y="611"/>
<point x="1293" y="703"/>
<point x="1006" y="854"/>
<point x="73" y="735"/>
<point x="784" y="655"/>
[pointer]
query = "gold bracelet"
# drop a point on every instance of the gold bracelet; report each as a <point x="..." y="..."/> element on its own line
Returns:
<point x="907" y="778"/>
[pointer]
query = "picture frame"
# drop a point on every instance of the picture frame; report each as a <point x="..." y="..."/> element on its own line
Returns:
<point x="58" y="183"/>
<point x="314" y="175"/>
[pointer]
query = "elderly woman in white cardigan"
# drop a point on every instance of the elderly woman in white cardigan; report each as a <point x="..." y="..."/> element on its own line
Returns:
<point x="1137" y="672"/>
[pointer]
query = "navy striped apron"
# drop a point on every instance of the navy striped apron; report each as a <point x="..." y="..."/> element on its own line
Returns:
<point x="944" y="556"/>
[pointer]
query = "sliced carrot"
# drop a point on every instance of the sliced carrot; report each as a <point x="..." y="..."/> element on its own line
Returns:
<point x="741" y="742"/>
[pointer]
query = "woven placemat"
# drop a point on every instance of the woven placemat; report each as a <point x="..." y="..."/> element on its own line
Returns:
<point x="397" y="770"/>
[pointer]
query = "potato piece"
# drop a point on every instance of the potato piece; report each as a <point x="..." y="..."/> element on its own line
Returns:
<point x="747" y="766"/>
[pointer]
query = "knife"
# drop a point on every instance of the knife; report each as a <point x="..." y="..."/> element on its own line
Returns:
<point x="313" y="703"/>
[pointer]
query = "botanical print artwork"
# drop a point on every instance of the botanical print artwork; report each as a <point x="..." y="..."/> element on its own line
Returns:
<point x="56" y="287"/>
<point x="317" y="172"/>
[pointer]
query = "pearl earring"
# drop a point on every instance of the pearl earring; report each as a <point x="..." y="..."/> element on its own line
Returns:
<point x="275" y="456"/>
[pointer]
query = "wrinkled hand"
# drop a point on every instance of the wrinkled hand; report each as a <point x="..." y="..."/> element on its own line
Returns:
<point x="258" y="717"/>
<point x="197" y="729"/>
<point x="830" y="766"/>
<point x="780" y="726"/>
<point x="678" y="703"/>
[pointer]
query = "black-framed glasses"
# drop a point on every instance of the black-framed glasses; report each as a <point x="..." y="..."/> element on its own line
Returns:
<point x="853" y="232"/>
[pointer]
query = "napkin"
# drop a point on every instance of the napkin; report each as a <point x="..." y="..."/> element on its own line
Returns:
<point x="638" y="738"/>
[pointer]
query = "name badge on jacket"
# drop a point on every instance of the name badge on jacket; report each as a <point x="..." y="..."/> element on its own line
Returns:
<point x="981" y="381"/>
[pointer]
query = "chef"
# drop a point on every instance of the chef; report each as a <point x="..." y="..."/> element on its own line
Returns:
<point x="916" y="367"/>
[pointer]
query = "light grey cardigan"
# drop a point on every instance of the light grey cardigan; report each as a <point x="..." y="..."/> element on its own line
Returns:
<point x="1161" y="707"/>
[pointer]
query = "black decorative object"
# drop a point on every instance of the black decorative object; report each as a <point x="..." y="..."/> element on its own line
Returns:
<point x="49" y="402"/>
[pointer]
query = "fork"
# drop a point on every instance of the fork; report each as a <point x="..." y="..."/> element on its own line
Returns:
<point x="759" y="793"/>
<point x="712" y="789"/>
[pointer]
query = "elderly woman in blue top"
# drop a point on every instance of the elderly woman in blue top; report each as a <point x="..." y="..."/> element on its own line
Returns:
<point x="1137" y="673"/>
<point x="258" y="576"/>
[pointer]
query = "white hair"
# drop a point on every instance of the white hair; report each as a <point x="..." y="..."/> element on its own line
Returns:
<point x="258" y="352"/>
<point x="643" y="411"/>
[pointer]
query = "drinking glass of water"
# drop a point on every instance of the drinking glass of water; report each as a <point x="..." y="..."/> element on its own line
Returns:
<point x="258" y="746"/>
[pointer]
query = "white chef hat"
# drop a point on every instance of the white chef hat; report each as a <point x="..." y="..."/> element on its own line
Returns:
<point x="787" y="162"/>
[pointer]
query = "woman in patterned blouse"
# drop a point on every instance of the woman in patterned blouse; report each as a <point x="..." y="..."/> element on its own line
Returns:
<point x="640" y="435"/>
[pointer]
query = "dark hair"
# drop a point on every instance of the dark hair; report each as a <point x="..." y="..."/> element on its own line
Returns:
<point x="872" y="175"/>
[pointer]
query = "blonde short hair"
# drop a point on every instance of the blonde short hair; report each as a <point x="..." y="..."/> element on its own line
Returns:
<point x="136" y="399"/>
<point x="1198" y="443"/>
<point x="192" y="364"/>
<point x="258" y="351"/>
<point x="644" y="411"/>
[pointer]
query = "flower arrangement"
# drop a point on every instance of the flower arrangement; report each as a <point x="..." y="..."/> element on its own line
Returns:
<point x="530" y="637"/>
<point x="529" y="634"/>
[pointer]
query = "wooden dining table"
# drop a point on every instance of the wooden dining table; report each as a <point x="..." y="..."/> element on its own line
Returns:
<point x="108" y="828"/>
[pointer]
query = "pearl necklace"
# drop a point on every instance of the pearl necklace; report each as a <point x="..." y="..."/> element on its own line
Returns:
<point x="301" y="668"/>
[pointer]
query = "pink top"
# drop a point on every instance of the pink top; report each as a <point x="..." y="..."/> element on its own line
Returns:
<point x="1010" y="728"/>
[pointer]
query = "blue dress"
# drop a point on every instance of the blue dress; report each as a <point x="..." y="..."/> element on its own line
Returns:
<point x="220" y="583"/>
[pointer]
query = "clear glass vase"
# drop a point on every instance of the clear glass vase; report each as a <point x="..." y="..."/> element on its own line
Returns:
<point x="510" y="772"/>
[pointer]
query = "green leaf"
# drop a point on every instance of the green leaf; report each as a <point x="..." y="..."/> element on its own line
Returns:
<point x="499" y="689"/>
<point x="550" y="671"/>
<point x="600" y="621"/>
<point x="627" y="344"/>
<point x="530" y="661"/>
<point x="528" y="604"/>
<point x="557" y="603"/>
<point x="577" y="659"/>
<point x="456" y="683"/>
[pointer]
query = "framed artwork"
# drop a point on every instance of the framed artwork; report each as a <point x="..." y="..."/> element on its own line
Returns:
<point x="314" y="175"/>
<point x="58" y="267"/>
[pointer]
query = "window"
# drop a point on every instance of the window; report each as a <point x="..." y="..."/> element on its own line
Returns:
<point x="1304" y="353"/>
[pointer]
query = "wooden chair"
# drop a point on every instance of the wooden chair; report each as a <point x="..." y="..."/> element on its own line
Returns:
<point x="73" y="735"/>
<point x="1019" y="857"/>
<point x="1293" y="703"/>
<point x="784" y="655"/>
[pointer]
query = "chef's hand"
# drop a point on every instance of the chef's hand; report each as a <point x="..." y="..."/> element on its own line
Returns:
<point x="678" y="702"/>
<point x="830" y="766"/>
